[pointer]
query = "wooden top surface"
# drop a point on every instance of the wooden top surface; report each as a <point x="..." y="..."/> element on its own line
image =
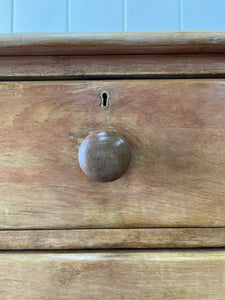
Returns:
<point x="91" y="43"/>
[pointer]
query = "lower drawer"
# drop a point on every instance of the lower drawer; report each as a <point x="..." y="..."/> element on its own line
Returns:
<point x="113" y="275"/>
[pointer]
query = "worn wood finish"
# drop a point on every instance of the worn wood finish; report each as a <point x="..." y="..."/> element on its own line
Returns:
<point x="176" y="133"/>
<point x="112" y="43"/>
<point x="112" y="238"/>
<point x="111" y="66"/>
<point x="113" y="275"/>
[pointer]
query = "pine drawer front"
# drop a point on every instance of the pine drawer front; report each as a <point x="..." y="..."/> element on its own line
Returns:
<point x="176" y="133"/>
<point x="113" y="275"/>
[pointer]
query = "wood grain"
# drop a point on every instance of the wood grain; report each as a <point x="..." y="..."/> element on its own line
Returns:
<point x="112" y="43"/>
<point x="111" y="66"/>
<point x="113" y="275"/>
<point x="176" y="132"/>
<point x="112" y="238"/>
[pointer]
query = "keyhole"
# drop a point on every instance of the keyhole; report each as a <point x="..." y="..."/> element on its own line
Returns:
<point x="104" y="99"/>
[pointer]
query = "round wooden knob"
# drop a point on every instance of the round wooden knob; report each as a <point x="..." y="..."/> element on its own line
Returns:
<point x="104" y="156"/>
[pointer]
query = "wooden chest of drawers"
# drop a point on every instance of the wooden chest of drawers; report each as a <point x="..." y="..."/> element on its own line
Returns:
<point x="66" y="236"/>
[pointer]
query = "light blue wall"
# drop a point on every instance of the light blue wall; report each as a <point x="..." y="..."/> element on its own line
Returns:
<point x="110" y="15"/>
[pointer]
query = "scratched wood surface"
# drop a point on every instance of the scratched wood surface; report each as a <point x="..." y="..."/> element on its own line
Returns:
<point x="95" y="43"/>
<point x="176" y="132"/>
<point x="111" y="66"/>
<point x="113" y="275"/>
<point x="112" y="238"/>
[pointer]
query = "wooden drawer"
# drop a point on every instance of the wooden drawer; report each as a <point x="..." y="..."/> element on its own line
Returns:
<point x="176" y="133"/>
<point x="113" y="275"/>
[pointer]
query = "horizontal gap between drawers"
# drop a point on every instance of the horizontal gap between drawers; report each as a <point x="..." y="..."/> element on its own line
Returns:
<point x="4" y="79"/>
<point x="109" y="228"/>
<point x="121" y="250"/>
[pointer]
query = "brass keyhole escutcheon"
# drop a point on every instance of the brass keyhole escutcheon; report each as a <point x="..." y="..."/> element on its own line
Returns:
<point x="104" y="96"/>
